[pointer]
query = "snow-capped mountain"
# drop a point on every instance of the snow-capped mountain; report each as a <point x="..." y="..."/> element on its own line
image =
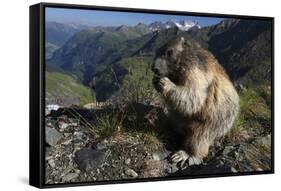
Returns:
<point x="157" y="26"/>
<point x="187" y="25"/>
<point x="182" y="25"/>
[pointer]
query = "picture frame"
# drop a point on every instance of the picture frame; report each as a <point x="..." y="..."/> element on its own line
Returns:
<point x="40" y="166"/>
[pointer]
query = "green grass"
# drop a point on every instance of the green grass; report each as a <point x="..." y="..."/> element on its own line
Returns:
<point x="255" y="105"/>
<point x="107" y="124"/>
<point x="114" y="122"/>
<point x="137" y="84"/>
<point x="59" y="85"/>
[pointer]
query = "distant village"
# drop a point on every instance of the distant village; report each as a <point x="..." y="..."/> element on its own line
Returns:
<point x="56" y="103"/>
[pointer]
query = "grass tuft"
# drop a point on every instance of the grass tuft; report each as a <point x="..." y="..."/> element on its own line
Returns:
<point x="255" y="105"/>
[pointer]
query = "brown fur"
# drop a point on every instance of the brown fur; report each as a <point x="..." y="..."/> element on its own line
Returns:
<point x="203" y="102"/>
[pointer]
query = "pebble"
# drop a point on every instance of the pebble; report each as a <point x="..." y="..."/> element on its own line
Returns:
<point x="74" y="124"/>
<point x="66" y="142"/>
<point x="49" y="157"/>
<point x="233" y="170"/>
<point x="227" y="150"/>
<point x="77" y="171"/>
<point x="171" y="169"/>
<point x="49" y="124"/>
<point x="67" y="134"/>
<point x="127" y="161"/>
<point x="101" y="146"/>
<point x="69" y="177"/>
<point x="155" y="156"/>
<point x="52" y="163"/>
<point x="63" y="125"/>
<point x="131" y="172"/>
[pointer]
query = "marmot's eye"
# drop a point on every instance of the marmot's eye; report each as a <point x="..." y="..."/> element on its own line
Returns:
<point x="169" y="53"/>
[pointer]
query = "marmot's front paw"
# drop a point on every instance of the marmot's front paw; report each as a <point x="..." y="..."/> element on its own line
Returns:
<point x="165" y="84"/>
<point x="185" y="159"/>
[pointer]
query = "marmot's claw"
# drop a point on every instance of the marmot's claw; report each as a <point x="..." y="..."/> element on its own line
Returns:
<point x="180" y="156"/>
<point x="184" y="159"/>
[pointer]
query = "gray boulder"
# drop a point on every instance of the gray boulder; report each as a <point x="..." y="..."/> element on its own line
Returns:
<point x="52" y="136"/>
<point x="88" y="159"/>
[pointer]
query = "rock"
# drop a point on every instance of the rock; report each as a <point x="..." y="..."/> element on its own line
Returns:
<point x="62" y="125"/>
<point x="219" y="163"/>
<point x="53" y="136"/>
<point x="67" y="170"/>
<point x="77" y="171"/>
<point x="171" y="168"/>
<point x="174" y="168"/>
<point x="227" y="150"/>
<point x="80" y="137"/>
<point x="69" y="177"/>
<point x="131" y="172"/>
<point x="161" y="155"/>
<point x="49" y="157"/>
<point x="127" y="161"/>
<point x="89" y="159"/>
<point x="233" y="170"/>
<point x="74" y="124"/>
<point x="152" y="168"/>
<point x="51" y="162"/>
<point x="255" y="155"/>
<point x="47" y="112"/>
<point x="263" y="141"/>
<point x="90" y="106"/>
<point x="155" y="156"/>
<point x="66" y="142"/>
<point x="67" y="134"/>
<point x="101" y="146"/>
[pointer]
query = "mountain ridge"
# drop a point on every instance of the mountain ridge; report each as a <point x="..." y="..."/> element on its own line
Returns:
<point x="92" y="52"/>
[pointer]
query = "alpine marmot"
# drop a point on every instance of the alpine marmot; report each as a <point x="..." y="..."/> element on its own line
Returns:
<point x="203" y="102"/>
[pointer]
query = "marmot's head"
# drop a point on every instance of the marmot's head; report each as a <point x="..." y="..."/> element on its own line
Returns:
<point x="176" y="57"/>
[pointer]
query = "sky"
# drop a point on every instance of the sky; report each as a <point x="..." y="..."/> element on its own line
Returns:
<point x="111" y="18"/>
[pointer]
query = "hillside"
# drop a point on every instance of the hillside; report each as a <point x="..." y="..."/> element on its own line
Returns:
<point x="128" y="79"/>
<point x="242" y="46"/>
<point x="50" y="49"/>
<point x="63" y="86"/>
<point x="59" y="33"/>
<point x="89" y="51"/>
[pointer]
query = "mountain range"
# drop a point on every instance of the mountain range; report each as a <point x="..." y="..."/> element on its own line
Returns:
<point x="182" y="25"/>
<point x="107" y="58"/>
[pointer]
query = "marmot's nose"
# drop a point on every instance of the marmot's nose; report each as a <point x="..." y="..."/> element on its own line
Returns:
<point x="156" y="67"/>
<point x="155" y="70"/>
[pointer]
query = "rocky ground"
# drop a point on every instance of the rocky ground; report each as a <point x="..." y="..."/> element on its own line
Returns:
<point x="75" y="154"/>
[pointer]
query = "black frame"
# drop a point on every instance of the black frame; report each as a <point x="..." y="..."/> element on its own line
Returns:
<point x="37" y="93"/>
